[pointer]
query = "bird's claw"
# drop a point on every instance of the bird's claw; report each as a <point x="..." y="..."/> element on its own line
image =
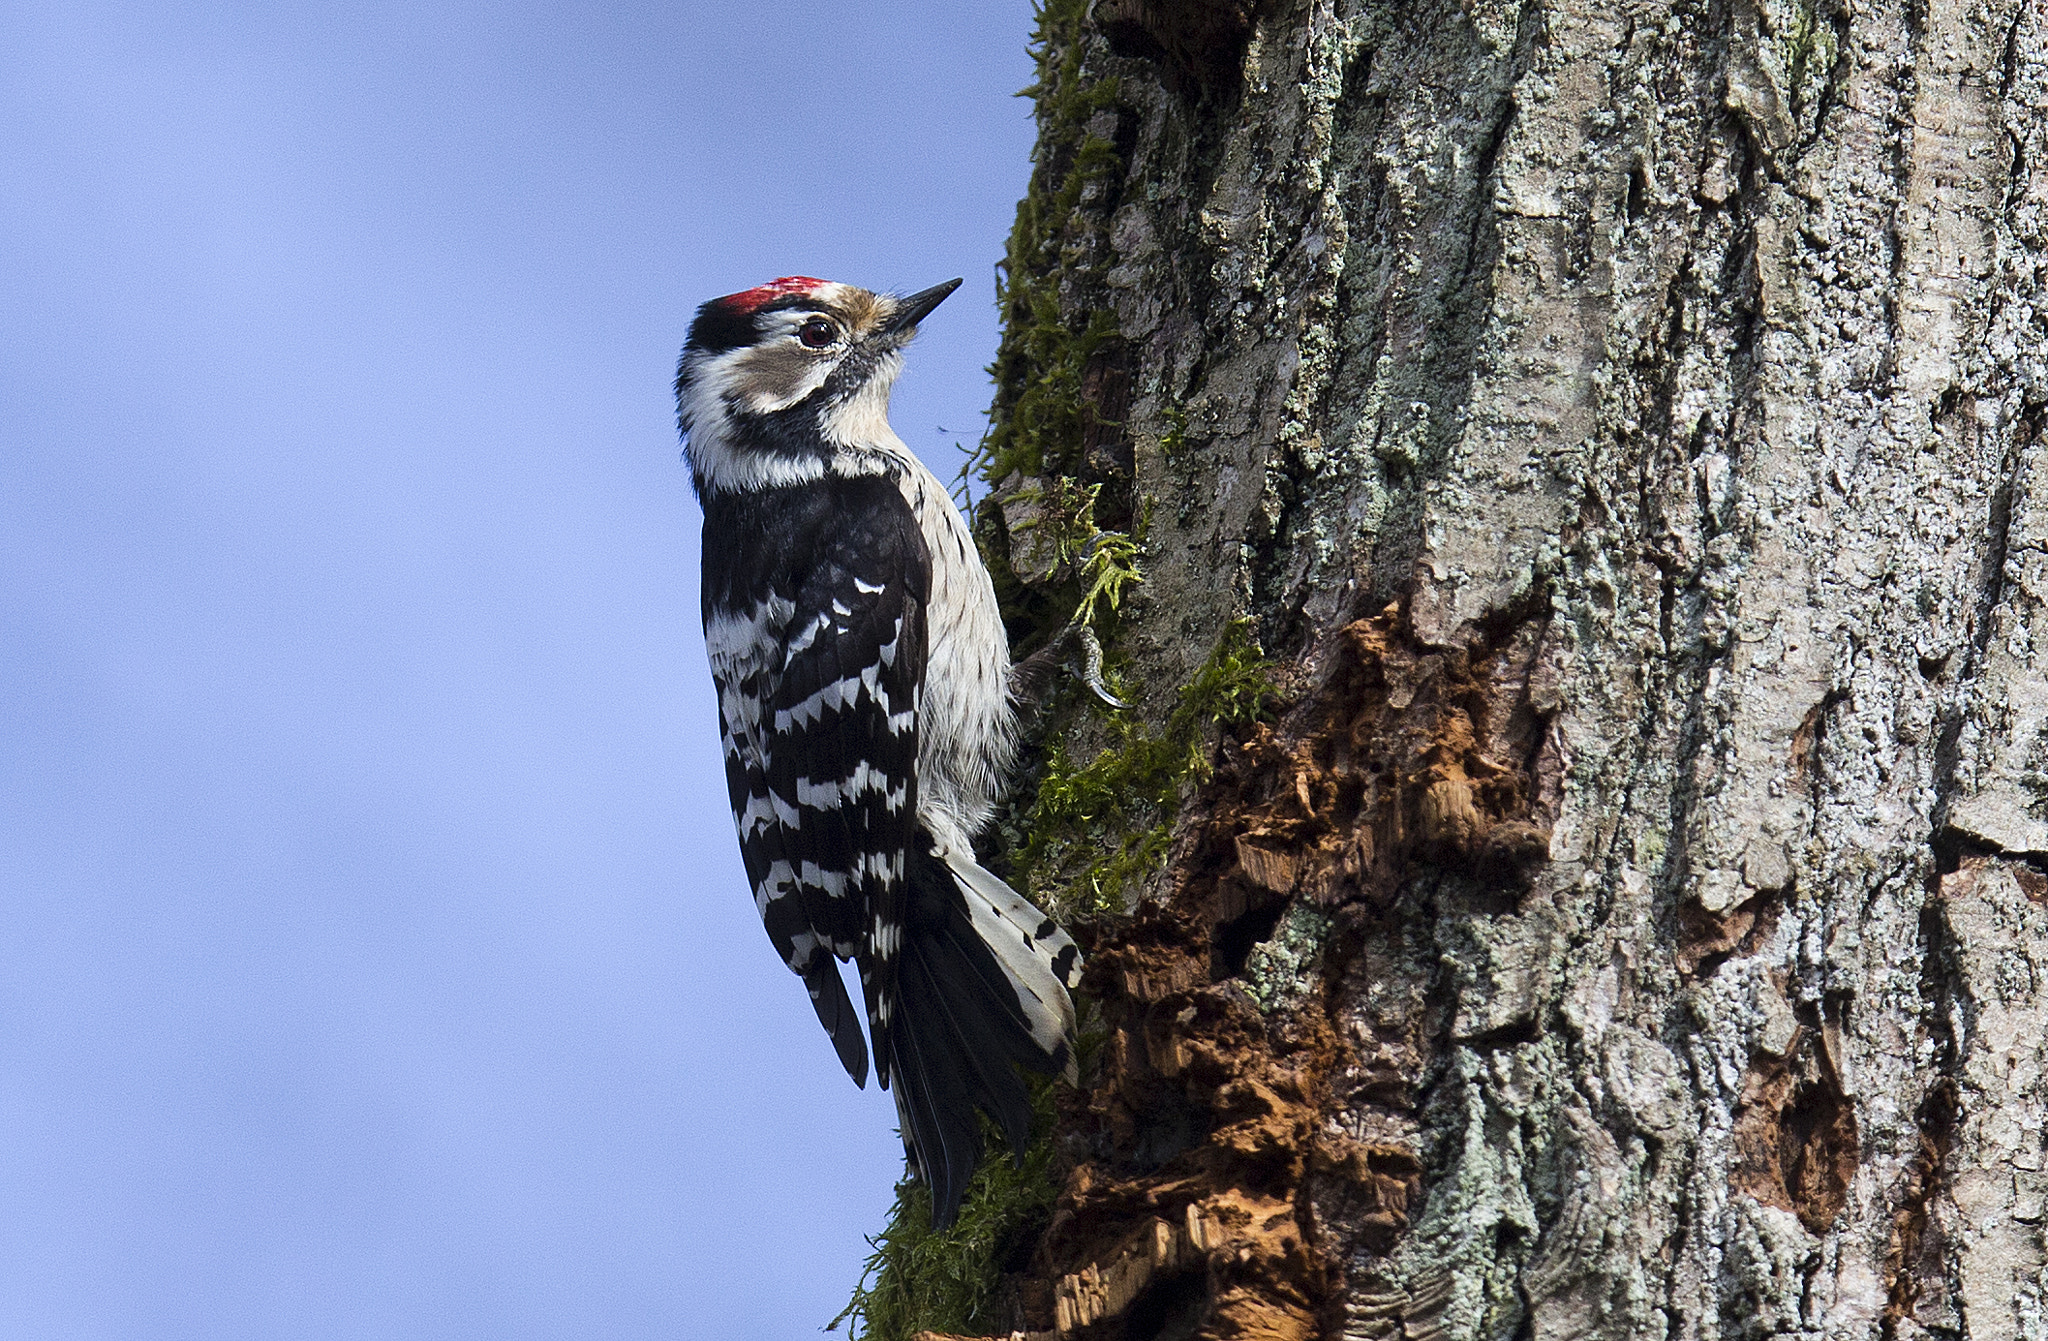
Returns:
<point x="1091" y="669"/>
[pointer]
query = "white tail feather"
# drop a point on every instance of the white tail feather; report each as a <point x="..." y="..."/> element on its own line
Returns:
<point x="1039" y="958"/>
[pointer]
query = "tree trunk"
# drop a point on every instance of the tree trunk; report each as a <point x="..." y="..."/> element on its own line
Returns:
<point x="1617" y="421"/>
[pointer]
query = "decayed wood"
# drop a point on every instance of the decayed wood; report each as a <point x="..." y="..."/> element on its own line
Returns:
<point x="1621" y="416"/>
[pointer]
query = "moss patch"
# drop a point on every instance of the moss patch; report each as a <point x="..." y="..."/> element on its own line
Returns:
<point x="917" y="1280"/>
<point x="1098" y="564"/>
<point x="1096" y="829"/>
<point x="1049" y="285"/>
<point x="1038" y="419"/>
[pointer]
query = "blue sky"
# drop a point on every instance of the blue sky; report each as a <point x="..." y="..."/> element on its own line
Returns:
<point x="374" y="955"/>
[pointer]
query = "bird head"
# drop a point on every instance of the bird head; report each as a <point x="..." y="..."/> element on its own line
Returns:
<point x="789" y="381"/>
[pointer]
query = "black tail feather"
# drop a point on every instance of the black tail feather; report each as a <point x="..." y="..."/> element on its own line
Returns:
<point x="836" y="1013"/>
<point x="993" y="1082"/>
<point x="956" y="1034"/>
<point x="935" y="1093"/>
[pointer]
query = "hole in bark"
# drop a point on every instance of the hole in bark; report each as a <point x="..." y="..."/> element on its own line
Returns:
<point x="1236" y="938"/>
<point x="1795" y="1134"/>
<point x="1170" y="1309"/>
<point x="1702" y="435"/>
<point x="1914" y="1265"/>
<point x="1818" y="1153"/>
<point x="1173" y="1123"/>
<point x="1122" y="25"/>
<point x="1638" y="191"/>
<point x="1951" y="847"/>
<point x="1512" y="1034"/>
<point x="1944" y="406"/>
<point x="1198" y="45"/>
<point x="1711" y="965"/>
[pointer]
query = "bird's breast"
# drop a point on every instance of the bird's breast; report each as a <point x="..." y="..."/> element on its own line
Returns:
<point x="964" y="719"/>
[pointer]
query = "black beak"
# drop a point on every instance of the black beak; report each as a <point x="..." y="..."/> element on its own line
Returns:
<point x="917" y="307"/>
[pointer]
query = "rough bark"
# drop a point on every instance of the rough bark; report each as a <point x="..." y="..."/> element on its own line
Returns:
<point x="1619" y="418"/>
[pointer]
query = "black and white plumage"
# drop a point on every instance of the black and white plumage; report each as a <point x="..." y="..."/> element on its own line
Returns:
<point x="862" y="674"/>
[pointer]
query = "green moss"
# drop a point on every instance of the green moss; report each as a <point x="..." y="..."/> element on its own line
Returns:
<point x="1039" y="418"/>
<point x="1176" y="435"/>
<point x="1055" y="327"/>
<point x="1099" y="564"/>
<point x="917" y="1280"/>
<point x="1096" y="829"/>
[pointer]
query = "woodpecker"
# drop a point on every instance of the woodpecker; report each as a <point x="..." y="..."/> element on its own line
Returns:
<point x="863" y="701"/>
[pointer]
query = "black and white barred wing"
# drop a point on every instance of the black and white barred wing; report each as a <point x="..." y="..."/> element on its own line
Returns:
<point x="818" y="689"/>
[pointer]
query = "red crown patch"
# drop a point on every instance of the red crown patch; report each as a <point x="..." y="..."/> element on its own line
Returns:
<point x="747" y="300"/>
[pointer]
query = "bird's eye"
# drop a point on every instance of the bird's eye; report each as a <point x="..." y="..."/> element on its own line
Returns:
<point x="817" y="333"/>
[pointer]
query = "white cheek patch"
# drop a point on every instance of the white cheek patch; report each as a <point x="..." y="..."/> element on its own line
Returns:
<point x="713" y="386"/>
<point x="704" y="384"/>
